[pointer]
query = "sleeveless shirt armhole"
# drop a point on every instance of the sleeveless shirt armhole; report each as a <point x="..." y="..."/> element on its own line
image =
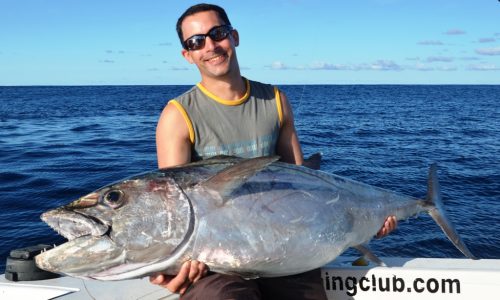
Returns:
<point x="186" y="119"/>
<point x="278" y="105"/>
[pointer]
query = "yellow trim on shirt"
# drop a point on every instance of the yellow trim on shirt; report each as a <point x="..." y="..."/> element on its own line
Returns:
<point x="223" y="101"/>
<point x="186" y="119"/>
<point x="278" y="105"/>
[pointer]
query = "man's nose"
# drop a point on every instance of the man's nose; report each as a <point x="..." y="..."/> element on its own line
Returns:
<point x="210" y="44"/>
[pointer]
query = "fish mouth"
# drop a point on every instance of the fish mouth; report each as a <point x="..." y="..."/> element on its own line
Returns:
<point x="71" y="224"/>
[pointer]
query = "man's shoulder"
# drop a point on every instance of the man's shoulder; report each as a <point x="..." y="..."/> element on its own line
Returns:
<point x="262" y="90"/>
<point x="260" y="84"/>
<point x="190" y="91"/>
<point x="187" y="96"/>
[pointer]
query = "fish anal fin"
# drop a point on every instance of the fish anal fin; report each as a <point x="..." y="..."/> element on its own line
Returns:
<point x="367" y="253"/>
<point x="229" y="179"/>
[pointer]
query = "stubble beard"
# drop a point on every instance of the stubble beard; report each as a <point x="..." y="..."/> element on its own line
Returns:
<point x="226" y="68"/>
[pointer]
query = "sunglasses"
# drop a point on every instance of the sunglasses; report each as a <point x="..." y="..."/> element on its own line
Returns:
<point x="216" y="34"/>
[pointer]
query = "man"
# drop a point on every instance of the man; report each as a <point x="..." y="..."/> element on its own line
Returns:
<point x="227" y="114"/>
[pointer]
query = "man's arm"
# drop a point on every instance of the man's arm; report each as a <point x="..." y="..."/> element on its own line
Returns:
<point x="173" y="146"/>
<point x="288" y="146"/>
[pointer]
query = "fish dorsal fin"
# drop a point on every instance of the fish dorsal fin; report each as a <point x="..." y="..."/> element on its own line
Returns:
<point x="229" y="179"/>
<point x="313" y="161"/>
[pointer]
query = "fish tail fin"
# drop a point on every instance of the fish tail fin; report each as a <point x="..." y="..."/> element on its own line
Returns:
<point x="435" y="209"/>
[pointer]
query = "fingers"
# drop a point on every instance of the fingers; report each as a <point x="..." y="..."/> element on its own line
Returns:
<point x="156" y="279"/>
<point x="190" y="272"/>
<point x="389" y="225"/>
<point x="393" y="223"/>
<point x="197" y="271"/>
<point x="180" y="282"/>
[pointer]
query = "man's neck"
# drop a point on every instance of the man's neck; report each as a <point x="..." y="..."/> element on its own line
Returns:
<point x="228" y="89"/>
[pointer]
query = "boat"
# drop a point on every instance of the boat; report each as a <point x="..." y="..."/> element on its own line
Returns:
<point x="400" y="278"/>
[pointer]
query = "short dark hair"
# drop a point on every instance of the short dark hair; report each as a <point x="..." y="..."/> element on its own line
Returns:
<point x="201" y="8"/>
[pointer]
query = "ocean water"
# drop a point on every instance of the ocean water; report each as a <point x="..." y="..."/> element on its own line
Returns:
<point x="58" y="143"/>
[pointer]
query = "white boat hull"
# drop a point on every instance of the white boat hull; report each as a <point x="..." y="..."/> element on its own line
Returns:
<point x="402" y="278"/>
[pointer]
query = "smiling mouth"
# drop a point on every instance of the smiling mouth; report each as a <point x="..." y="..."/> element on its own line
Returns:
<point x="72" y="225"/>
<point x="217" y="58"/>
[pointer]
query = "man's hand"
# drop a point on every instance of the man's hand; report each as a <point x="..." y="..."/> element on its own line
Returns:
<point x="191" y="272"/>
<point x="389" y="225"/>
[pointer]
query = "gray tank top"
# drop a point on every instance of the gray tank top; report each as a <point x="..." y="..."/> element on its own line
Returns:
<point x="248" y="127"/>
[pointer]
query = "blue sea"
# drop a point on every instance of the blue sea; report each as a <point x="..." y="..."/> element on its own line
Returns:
<point x="60" y="142"/>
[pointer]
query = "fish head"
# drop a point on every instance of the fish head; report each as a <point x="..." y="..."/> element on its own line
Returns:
<point x="118" y="230"/>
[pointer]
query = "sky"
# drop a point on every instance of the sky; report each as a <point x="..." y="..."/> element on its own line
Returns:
<point x="111" y="42"/>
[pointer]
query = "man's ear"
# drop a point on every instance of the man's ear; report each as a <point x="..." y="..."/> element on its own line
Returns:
<point x="236" y="37"/>
<point x="187" y="56"/>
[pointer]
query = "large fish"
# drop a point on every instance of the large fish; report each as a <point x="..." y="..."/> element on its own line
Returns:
<point x="253" y="217"/>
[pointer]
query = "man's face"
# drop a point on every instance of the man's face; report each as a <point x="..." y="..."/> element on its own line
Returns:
<point x="215" y="59"/>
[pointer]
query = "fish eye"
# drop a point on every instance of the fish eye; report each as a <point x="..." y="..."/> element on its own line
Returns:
<point x="113" y="198"/>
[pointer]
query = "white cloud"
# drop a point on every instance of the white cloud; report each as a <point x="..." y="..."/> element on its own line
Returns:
<point x="278" y="65"/>
<point x="426" y="68"/>
<point x="379" y="65"/>
<point x="484" y="67"/>
<point x="454" y="32"/>
<point x="327" y="66"/>
<point x="115" y="51"/>
<point x="469" y="58"/>
<point x="447" y="68"/>
<point x="488" y="51"/>
<point x="486" y="40"/>
<point x="179" y="68"/>
<point x="430" y="43"/>
<point x="423" y="67"/>
<point x="439" y="59"/>
<point x="385" y="65"/>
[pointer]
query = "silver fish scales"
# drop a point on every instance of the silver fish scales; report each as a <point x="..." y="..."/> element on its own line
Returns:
<point x="252" y="217"/>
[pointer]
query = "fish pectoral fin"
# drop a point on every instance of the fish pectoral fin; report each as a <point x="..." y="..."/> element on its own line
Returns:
<point x="367" y="253"/>
<point x="229" y="179"/>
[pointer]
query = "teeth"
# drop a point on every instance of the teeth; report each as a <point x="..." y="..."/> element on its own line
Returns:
<point x="72" y="225"/>
<point x="219" y="57"/>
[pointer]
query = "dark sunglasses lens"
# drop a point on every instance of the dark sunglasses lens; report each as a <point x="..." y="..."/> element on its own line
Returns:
<point x="195" y="43"/>
<point x="219" y="33"/>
